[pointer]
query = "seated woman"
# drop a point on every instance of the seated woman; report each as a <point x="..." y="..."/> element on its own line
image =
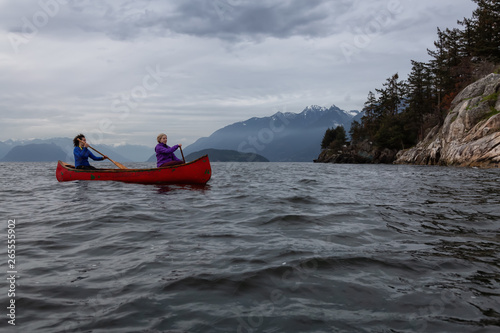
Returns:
<point x="82" y="153"/>
<point x="164" y="154"/>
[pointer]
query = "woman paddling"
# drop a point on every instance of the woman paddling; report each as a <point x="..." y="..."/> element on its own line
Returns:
<point x="164" y="154"/>
<point x="82" y="153"/>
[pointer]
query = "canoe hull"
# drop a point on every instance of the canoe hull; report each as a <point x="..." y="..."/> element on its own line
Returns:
<point x="195" y="172"/>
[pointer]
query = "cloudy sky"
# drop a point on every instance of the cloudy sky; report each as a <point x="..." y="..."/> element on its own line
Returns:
<point x="124" y="71"/>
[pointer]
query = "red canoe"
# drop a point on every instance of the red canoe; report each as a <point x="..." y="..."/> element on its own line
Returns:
<point x="195" y="172"/>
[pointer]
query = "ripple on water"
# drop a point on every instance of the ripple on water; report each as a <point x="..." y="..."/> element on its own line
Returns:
<point x="274" y="247"/>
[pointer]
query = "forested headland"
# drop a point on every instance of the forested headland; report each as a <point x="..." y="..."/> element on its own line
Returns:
<point x="399" y="114"/>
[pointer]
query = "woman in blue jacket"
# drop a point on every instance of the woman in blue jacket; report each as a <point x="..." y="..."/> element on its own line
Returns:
<point x="82" y="153"/>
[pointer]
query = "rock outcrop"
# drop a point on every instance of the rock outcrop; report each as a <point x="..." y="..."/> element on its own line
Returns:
<point x="470" y="134"/>
<point x="360" y="153"/>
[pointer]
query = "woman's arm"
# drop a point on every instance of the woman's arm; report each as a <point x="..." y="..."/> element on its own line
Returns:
<point x="166" y="150"/>
<point x="95" y="158"/>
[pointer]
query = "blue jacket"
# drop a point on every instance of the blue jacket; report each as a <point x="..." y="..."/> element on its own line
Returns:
<point x="165" y="154"/>
<point x="82" y="156"/>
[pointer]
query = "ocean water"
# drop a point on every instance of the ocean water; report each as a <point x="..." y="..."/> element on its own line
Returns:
<point x="263" y="247"/>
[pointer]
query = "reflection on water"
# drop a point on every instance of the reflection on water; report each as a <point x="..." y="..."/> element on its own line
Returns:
<point x="180" y="187"/>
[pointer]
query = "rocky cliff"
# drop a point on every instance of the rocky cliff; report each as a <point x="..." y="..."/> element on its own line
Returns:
<point x="470" y="134"/>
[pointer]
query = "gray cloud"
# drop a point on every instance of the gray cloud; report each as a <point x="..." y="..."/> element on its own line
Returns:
<point x="222" y="19"/>
<point x="227" y="60"/>
<point x="249" y="19"/>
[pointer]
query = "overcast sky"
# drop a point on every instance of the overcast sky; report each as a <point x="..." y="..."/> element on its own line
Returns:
<point x="124" y="71"/>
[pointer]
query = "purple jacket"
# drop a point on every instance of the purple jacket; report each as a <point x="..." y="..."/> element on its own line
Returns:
<point x="165" y="154"/>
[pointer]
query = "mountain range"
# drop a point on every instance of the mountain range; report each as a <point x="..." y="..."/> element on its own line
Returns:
<point x="34" y="152"/>
<point x="63" y="148"/>
<point x="282" y="137"/>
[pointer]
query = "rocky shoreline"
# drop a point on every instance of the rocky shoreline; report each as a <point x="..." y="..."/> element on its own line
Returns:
<point x="470" y="135"/>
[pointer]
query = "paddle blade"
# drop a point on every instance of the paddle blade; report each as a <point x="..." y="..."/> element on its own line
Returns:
<point x="121" y="166"/>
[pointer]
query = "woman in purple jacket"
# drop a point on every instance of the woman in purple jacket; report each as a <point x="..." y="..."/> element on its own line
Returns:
<point x="165" y="154"/>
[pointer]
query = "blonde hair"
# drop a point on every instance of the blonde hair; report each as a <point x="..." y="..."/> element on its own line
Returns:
<point x="158" y="138"/>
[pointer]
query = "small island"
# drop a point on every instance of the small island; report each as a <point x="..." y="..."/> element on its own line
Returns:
<point x="221" y="155"/>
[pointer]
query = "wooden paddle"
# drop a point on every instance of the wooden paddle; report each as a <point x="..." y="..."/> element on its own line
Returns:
<point x="121" y="166"/>
<point x="183" y="159"/>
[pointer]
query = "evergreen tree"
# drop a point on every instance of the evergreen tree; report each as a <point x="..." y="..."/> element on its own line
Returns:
<point x="440" y="69"/>
<point x="334" y="138"/>
<point x="356" y="132"/>
<point x="486" y="25"/>
<point x="420" y="98"/>
<point x="372" y="112"/>
<point x="392" y="96"/>
<point x="327" y="138"/>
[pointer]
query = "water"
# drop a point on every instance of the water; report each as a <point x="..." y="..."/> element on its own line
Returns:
<point x="264" y="247"/>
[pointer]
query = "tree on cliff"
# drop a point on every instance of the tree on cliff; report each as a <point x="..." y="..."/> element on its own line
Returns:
<point x="401" y="112"/>
<point x="420" y="108"/>
<point x="483" y="30"/>
<point x="383" y="121"/>
<point x="334" y="138"/>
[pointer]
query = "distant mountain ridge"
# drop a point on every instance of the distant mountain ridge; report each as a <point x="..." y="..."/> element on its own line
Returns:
<point x="35" y="152"/>
<point x="122" y="153"/>
<point x="282" y="137"/>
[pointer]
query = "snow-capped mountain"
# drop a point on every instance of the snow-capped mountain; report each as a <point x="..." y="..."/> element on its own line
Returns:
<point x="282" y="137"/>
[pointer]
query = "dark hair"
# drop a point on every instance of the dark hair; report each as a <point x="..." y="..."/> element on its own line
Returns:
<point x="76" y="143"/>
